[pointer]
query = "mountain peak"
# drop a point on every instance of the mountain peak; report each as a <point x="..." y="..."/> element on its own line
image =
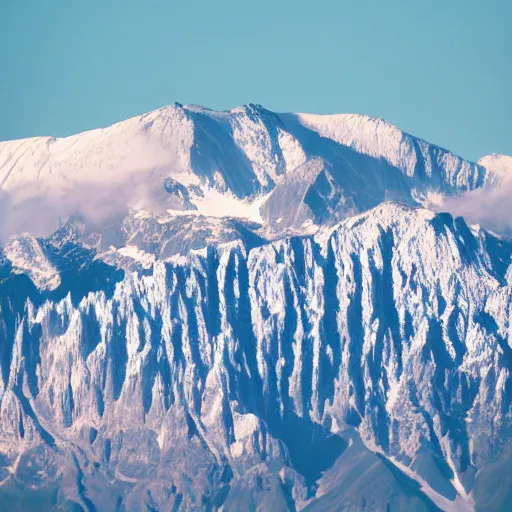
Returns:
<point x="237" y="157"/>
<point x="240" y="305"/>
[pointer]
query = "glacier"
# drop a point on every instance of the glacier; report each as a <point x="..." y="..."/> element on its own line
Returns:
<point x="270" y="313"/>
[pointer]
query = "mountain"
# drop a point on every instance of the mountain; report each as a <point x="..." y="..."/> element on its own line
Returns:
<point x="239" y="163"/>
<point x="251" y="311"/>
<point x="500" y="166"/>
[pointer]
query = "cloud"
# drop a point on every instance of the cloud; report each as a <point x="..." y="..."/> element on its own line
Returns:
<point x="115" y="180"/>
<point x="98" y="204"/>
<point x="489" y="207"/>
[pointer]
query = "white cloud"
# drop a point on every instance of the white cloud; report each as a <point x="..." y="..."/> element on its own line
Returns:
<point x="489" y="207"/>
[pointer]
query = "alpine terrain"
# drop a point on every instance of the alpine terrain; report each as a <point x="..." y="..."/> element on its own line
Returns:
<point x="248" y="310"/>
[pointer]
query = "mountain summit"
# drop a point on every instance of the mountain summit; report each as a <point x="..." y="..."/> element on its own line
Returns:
<point x="241" y="163"/>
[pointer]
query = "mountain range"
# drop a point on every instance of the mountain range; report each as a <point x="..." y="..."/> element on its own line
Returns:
<point x="248" y="310"/>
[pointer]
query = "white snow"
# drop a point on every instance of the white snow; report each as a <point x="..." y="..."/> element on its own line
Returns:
<point x="132" y="251"/>
<point x="26" y="257"/>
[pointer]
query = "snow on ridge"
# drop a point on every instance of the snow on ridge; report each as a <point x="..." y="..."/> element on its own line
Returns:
<point x="166" y="135"/>
<point x="26" y="257"/>
<point x="379" y="138"/>
<point x="161" y="138"/>
<point x="373" y="136"/>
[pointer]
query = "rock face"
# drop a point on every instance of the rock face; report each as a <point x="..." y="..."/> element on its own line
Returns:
<point x="367" y="367"/>
<point x="291" y="354"/>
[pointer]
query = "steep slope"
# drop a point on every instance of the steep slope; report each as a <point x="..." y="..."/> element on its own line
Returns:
<point x="366" y="367"/>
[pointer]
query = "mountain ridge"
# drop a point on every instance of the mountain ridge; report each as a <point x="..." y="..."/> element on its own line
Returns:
<point x="192" y="106"/>
<point x="313" y="119"/>
<point x="249" y="345"/>
<point x="232" y="163"/>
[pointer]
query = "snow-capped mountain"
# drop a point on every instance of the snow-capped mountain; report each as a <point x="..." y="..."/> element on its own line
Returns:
<point x="243" y="163"/>
<point x="246" y="310"/>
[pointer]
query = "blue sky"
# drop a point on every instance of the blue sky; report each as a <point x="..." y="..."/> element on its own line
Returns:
<point x="439" y="69"/>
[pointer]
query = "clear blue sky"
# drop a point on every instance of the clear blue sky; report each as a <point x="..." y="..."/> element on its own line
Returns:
<point x="441" y="70"/>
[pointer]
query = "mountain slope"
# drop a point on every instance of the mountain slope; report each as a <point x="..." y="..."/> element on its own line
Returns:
<point x="367" y="366"/>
